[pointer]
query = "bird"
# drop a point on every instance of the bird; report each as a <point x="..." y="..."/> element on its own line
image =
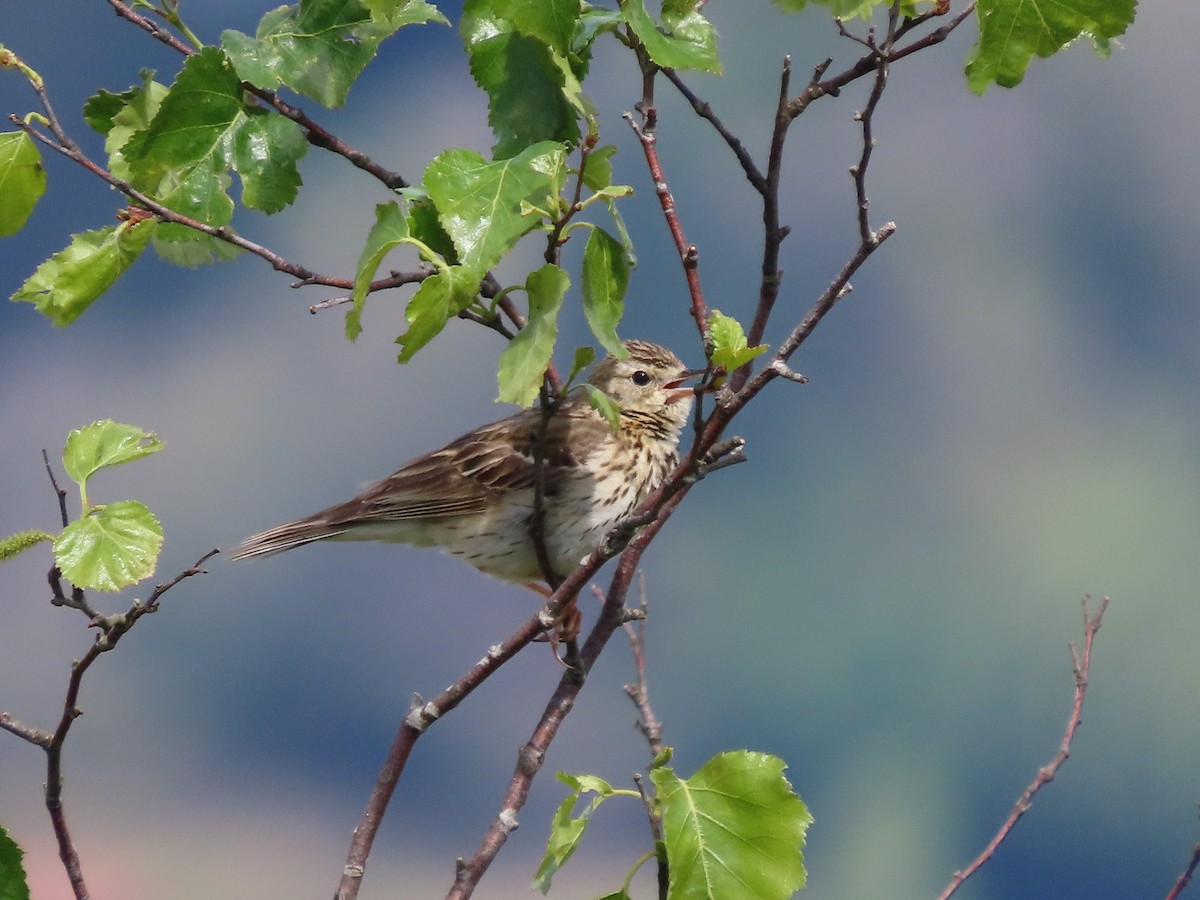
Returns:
<point x="474" y="498"/>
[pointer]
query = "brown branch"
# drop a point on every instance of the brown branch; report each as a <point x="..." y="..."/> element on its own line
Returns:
<point x="1080" y="664"/>
<point x="1186" y="875"/>
<point x="653" y="512"/>
<point x="164" y="213"/>
<point x="689" y="255"/>
<point x="625" y="536"/>
<point x="820" y="86"/>
<point x="59" y="492"/>
<point x="532" y="755"/>
<point x="704" y="110"/>
<point x="316" y="135"/>
<point x="420" y="716"/>
<point x="155" y="30"/>
<point x="859" y="170"/>
<point x="110" y="630"/>
<point x="37" y="736"/>
<point x="649" y="724"/>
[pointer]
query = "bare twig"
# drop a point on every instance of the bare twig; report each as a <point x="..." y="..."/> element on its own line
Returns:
<point x="820" y="86"/>
<point x="654" y="820"/>
<point x="1186" y="875"/>
<point x="110" y="629"/>
<point x="1081" y="663"/>
<point x="59" y="491"/>
<point x="704" y="110"/>
<point x="38" y="736"/>
<point x="532" y="755"/>
<point x="420" y="716"/>
<point x="859" y="170"/>
<point x="648" y="724"/>
<point x="689" y="255"/>
<point x="653" y="512"/>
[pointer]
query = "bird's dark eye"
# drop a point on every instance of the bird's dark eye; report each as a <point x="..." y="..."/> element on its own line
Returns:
<point x="641" y="378"/>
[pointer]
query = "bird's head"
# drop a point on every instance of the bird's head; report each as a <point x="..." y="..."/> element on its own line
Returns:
<point x="648" y="382"/>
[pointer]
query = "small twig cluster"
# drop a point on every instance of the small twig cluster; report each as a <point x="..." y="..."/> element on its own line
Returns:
<point x="110" y="628"/>
<point x="1081" y="665"/>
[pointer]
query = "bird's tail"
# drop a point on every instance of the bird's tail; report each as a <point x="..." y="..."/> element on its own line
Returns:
<point x="285" y="537"/>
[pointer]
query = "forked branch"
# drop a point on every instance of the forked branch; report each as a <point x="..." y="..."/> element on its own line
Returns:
<point x="1081" y="664"/>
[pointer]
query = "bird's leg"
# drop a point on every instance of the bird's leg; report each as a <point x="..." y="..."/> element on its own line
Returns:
<point x="565" y="628"/>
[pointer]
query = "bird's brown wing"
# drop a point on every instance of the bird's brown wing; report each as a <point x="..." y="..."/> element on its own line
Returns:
<point x="468" y="474"/>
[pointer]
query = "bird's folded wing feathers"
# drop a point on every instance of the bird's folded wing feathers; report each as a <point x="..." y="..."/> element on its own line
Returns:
<point x="465" y="476"/>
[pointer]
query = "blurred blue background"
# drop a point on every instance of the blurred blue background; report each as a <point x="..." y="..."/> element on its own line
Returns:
<point x="1002" y="418"/>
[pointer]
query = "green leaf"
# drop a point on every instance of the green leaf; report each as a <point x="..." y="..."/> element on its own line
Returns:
<point x="605" y="280"/>
<point x="440" y="298"/>
<point x="13" y="883"/>
<point x="1012" y="31"/>
<point x="183" y="246"/>
<point x="597" y="174"/>
<point x="526" y="88"/>
<point x="524" y="361"/>
<point x="595" y="21"/>
<point x="484" y="206"/>
<point x="19" y="543"/>
<point x="119" y="116"/>
<point x="550" y="21"/>
<point x="690" y="44"/>
<point x="389" y="231"/>
<point x="584" y="357"/>
<point x="265" y="150"/>
<point x="413" y="223"/>
<point x="201" y="131"/>
<point x="22" y="180"/>
<point x="603" y="404"/>
<point x="730" y="350"/>
<point x="111" y="547"/>
<point x="100" y="108"/>
<point x="734" y="829"/>
<point x="68" y="282"/>
<point x="319" y="47"/>
<point x="398" y="13"/>
<point x="104" y="444"/>
<point x="424" y="225"/>
<point x="566" y="830"/>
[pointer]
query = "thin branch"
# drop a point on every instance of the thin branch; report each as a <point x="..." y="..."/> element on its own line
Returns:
<point x="37" y="736"/>
<point x="648" y="723"/>
<point x="316" y="135"/>
<point x="820" y="86"/>
<point x="704" y="110"/>
<point x="1186" y="875"/>
<point x="838" y="288"/>
<point x="1081" y="665"/>
<point x="537" y="517"/>
<point x="110" y="630"/>
<point x="59" y="491"/>
<point x="663" y="868"/>
<point x="304" y="275"/>
<point x="155" y="30"/>
<point x="859" y="170"/>
<point x="420" y="716"/>
<point x="653" y="512"/>
<point x="689" y="255"/>
<point x="773" y="232"/>
<point x="532" y="755"/>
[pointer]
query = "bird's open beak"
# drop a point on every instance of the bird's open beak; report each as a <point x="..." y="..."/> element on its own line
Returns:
<point x="674" y="392"/>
